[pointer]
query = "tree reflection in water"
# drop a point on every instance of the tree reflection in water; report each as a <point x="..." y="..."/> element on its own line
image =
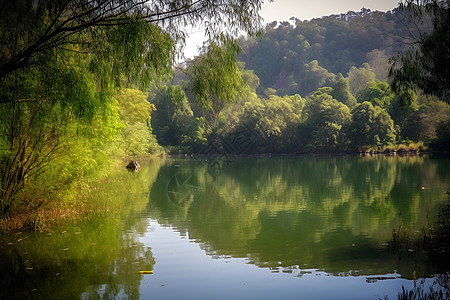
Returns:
<point x="301" y="216"/>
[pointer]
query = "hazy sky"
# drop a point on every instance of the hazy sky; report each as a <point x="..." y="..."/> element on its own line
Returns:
<point x="282" y="10"/>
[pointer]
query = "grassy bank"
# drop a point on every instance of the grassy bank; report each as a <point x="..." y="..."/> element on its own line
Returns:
<point x="41" y="207"/>
<point x="50" y="210"/>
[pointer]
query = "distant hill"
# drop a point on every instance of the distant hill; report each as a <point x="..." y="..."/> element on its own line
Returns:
<point x="298" y="57"/>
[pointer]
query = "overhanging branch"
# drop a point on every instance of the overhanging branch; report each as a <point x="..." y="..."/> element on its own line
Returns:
<point x="75" y="23"/>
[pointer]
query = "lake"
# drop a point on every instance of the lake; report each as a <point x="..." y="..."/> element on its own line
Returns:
<point x="243" y="228"/>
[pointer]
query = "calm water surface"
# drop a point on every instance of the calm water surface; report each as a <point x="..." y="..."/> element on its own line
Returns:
<point x="252" y="228"/>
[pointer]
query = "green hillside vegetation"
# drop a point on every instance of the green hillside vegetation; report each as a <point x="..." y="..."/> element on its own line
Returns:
<point x="310" y="86"/>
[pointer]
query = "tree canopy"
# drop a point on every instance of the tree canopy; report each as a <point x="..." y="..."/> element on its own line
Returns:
<point x="425" y="64"/>
<point x="216" y="79"/>
<point x="62" y="62"/>
<point x="318" y="86"/>
<point x="30" y="28"/>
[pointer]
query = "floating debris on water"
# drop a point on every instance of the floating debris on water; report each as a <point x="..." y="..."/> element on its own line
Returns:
<point x="145" y="272"/>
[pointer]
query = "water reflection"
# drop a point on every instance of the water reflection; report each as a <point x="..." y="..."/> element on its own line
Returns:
<point x="266" y="222"/>
<point x="335" y="214"/>
<point x="98" y="258"/>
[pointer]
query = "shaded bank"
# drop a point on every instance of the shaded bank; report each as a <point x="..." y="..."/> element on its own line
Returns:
<point x="85" y="200"/>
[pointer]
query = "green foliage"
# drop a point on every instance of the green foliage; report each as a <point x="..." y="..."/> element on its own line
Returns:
<point x="315" y="77"/>
<point x="442" y="141"/>
<point x="298" y="59"/>
<point x="135" y="112"/>
<point x="216" y="79"/>
<point x="424" y="64"/>
<point x="341" y="92"/>
<point x="134" y="107"/>
<point x="325" y="118"/>
<point x="407" y="120"/>
<point x="275" y="120"/>
<point x="359" y="78"/>
<point x="83" y="152"/>
<point x="194" y="141"/>
<point x="336" y="42"/>
<point x="61" y="63"/>
<point x="142" y="51"/>
<point x="85" y="156"/>
<point x="250" y="79"/>
<point x="371" y="126"/>
<point x="269" y="92"/>
<point x="377" y="93"/>
<point x="42" y="104"/>
<point x="138" y="139"/>
<point x="62" y="104"/>
<point x="136" y="31"/>
<point x="172" y="116"/>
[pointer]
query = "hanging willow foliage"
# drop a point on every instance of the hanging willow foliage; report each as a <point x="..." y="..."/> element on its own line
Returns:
<point x="425" y="63"/>
<point x="61" y="62"/>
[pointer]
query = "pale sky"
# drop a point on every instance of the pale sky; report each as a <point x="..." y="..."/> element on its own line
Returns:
<point x="282" y="10"/>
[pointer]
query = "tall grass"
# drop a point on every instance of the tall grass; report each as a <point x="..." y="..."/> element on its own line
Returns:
<point x="436" y="246"/>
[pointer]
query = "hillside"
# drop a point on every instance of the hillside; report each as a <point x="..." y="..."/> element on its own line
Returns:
<point x="302" y="86"/>
<point x="298" y="57"/>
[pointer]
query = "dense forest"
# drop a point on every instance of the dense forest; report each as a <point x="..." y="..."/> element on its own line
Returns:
<point x="302" y="87"/>
<point x="84" y="86"/>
